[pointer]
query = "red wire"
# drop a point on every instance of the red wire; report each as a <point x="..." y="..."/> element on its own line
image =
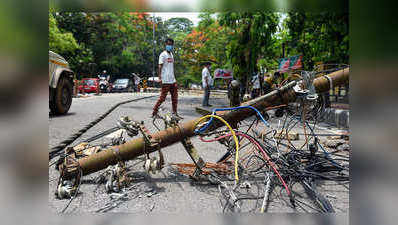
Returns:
<point x="252" y="140"/>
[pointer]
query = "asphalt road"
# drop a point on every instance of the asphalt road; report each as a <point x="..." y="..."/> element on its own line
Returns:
<point x="166" y="191"/>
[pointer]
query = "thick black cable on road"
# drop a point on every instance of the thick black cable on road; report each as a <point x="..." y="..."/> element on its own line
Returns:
<point x="61" y="146"/>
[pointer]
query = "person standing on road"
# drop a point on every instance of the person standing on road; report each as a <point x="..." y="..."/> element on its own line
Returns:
<point x="167" y="79"/>
<point x="207" y="82"/>
<point x="271" y="82"/>
<point x="255" y="86"/>
<point x="137" y="83"/>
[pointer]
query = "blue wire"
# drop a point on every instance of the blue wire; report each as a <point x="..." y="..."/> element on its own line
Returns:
<point x="229" y="109"/>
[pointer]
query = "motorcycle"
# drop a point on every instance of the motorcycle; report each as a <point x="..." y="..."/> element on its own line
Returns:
<point x="104" y="83"/>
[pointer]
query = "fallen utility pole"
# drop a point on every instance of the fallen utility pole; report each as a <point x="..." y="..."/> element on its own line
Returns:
<point x="172" y="135"/>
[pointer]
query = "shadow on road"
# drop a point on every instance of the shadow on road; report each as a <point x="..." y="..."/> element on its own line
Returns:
<point x="51" y="115"/>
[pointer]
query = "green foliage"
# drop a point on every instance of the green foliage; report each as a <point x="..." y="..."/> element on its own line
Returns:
<point x="321" y="37"/>
<point x="206" y="42"/>
<point x="178" y="25"/>
<point x="122" y="42"/>
<point x="251" y="40"/>
<point x="60" y="42"/>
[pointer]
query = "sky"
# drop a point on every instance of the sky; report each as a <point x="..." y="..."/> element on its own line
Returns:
<point x="193" y="16"/>
<point x="176" y="5"/>
<point x="190" y="15"/>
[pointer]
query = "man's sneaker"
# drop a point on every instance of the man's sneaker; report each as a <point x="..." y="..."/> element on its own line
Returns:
<point x="177" y="116"/>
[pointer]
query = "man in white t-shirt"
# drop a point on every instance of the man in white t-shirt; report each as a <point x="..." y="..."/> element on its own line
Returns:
<point x="167" y="79"/>
<point x="207" y="82"/>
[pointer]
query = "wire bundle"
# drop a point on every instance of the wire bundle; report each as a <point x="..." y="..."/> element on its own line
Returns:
<point x="263" y="167"/>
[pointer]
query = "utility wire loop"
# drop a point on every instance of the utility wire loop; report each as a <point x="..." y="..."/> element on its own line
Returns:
<point x="233" y="135"/>
<point x="202" y="129"/>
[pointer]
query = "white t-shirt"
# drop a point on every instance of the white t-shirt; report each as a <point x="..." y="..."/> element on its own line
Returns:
<point x="206" y="74"/>
<point x="256" y="82"/>
<point x="167" y="73"/>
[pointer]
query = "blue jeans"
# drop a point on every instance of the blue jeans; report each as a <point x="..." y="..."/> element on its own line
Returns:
<point x="206" y="95"/>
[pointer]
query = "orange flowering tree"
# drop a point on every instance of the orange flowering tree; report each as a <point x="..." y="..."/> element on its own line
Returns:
<point x="206" y="42"/>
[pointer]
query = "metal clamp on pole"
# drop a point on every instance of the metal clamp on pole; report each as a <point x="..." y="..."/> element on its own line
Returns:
<point x="306" y="87"/>
<point x="68" y="186"/>
<point x="193" y="153"/>
<point x="117" y="176"/>
<point x="330" y="81"/>
<point x="151" y="164"/>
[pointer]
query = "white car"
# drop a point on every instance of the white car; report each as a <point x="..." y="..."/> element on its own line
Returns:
<point x="61" y="84"/>
<point x="195" y="87"/>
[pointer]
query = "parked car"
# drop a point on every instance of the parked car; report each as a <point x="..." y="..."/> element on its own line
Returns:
<point x="89" y="85"/>
<point x="122" y="85"/>
<point x="60" y="83"/>
<point x="194" y="86"/>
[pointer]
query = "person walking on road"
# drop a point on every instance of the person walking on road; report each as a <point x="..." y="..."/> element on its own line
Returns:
<point x="207" y="82"/>
<point x="167" y="79"/>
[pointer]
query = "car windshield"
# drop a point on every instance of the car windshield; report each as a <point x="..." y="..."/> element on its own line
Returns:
<point x="89" y="82"/>
<point x="121" y="81"/>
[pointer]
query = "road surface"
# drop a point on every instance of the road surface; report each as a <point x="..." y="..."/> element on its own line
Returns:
<point x="166" y="191"/>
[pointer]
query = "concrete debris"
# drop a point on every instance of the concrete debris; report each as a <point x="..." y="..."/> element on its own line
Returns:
<point x="81" y="146"/>
<point x="246" y="185"/>
<point x="85" y="149"/>
<point x="116" y="134"/>
<point x="344" y="147"/>
<point x="337" y="137"/>
<point x="293" y="136"/>
<point x="150" y="194"/>
<point x="334" y="143"/>
<point x="118" y="195"/>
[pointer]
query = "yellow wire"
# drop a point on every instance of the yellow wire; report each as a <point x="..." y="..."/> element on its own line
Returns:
<point x="233" y="135"/>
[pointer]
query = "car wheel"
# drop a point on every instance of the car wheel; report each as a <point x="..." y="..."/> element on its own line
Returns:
<point x="62" y="98"/>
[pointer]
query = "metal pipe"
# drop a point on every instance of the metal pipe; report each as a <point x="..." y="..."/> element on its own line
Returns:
<point x="170" y="136"/>
<point x="322" y="84"/>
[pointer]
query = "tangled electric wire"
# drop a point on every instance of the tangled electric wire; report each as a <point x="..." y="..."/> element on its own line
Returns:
<point x="263" y="167"/>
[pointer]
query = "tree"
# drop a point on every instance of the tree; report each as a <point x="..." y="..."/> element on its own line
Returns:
<point x="120" y="43"/>
<point x="206" y="42"/>
<point x="60" y="42"/>
<point x="252" y="34"/>
<point x="178" y="25"/>
<point x="321" y="37"/>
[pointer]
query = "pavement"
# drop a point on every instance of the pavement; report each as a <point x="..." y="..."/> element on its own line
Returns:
<point x="166" y="191"/>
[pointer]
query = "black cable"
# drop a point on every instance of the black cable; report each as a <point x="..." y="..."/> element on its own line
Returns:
<point x="57" y="149"/>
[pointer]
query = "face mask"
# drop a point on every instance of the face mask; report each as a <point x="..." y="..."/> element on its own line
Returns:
<point x="169" y="48"/>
